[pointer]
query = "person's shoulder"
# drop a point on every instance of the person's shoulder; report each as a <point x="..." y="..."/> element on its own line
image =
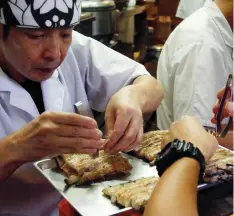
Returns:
<point x="196" y="27"/>
<point x="79" y="39"/>
<point x="197" y="30"/>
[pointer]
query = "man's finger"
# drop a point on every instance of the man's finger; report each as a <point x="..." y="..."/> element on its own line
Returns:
<point x="120" y="127"/>
<point x="137" y="142"/>
<point x="213" y="120"/>
<point x="129" y="136"/>
<point x="229" y="108"/>
<point x="77" y="131"/>
<point x="77" y="151"/>
<point x="74" y="142"/>
<point x="216" y="108"/>
<point x="221" y="92"/>
<point x="69" y="119"/>
<point x="87" y="151"/>
<point x="109" y="122"/>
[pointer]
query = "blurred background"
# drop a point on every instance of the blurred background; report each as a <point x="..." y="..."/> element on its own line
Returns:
<point x="135" y="28"/>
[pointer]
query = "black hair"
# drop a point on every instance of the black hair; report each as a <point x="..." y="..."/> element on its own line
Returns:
<point x="5" y="31"/>
<point x="5" y="28"/>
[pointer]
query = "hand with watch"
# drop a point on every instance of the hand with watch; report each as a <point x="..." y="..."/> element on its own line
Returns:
<point x="187" y="138"/>
<point x="181" y="163"/>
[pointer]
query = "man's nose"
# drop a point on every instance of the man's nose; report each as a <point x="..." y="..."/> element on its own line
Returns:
<point x="52" y="50"/>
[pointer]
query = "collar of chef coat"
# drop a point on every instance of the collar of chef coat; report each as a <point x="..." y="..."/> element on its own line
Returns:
<point x="53" y="92"/>
<point x="221" y="22"/>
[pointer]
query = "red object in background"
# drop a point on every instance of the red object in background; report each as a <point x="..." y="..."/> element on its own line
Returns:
<point x="65" y="209"/>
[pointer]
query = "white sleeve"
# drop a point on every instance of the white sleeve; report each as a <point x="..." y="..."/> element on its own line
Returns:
<point x="106" y="71"/>
<point x="200" y="73"/>
<point x="187" y="7"/>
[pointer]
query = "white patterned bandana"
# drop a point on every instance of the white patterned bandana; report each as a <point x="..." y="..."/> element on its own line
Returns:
<point x="40" y="13"/>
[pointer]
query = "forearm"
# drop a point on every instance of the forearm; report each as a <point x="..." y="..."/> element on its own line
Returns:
<point x="176" y="191"/>
<point x="7" y="162"/>
<point x="149" y="92"/>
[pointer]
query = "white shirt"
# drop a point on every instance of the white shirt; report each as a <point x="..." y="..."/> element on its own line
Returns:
<point x="187" y="7"/>
<point x="194" y="65"/>
<point x="91" y="73"/>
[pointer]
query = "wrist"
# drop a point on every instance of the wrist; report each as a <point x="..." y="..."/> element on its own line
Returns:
<point x="185" y="166"/>
<point x="189" y="163"/>
<point x="138" y="97"/>
<point x="132" y="95"/>
<point x="177" y="150"/>
<point x="9" y="154"/>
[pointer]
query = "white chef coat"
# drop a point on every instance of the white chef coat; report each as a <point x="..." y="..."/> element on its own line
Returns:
<point x="194" y="65"/>
<point x="187" y="7"/>
<point x="91" y="73"/>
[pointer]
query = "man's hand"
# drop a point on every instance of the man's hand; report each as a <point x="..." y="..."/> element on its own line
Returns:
<point x="52" y="134"/>
<point x="190" y="130"/>
<point x="124" y="121"/>
<point x="228" y="107"/>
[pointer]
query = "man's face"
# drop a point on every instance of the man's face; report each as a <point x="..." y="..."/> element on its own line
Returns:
<point x="34" y="54"/>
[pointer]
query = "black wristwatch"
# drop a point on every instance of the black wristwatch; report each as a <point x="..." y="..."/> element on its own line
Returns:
<point x="176" y="150"/>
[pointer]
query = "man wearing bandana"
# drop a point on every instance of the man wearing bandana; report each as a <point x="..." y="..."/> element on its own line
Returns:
<point x="46" y="68"/>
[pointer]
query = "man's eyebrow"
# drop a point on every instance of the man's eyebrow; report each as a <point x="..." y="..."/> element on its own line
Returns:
<point x="32" y="29"/>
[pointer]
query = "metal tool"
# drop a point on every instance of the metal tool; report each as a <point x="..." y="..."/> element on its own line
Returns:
<point x="52" y="163"/>
<point x="79" y="108"/>
<point x="219" y="131"/>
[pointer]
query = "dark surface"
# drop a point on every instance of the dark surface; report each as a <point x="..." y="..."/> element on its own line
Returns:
<point x="85" y="26"/>
<point x="216" y="201"/>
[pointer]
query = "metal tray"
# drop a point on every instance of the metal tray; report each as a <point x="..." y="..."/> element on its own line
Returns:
<point x="88" y="200"/>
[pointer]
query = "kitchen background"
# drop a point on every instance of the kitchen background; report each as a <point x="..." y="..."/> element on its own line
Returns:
<point x="135" y="28"/>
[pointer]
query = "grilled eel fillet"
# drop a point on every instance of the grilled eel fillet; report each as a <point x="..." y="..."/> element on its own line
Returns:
<point x="133" y="194"/>
<point x="82" y="168"/>
<point x="151" y="145"/>
<point x="220" y="167"/>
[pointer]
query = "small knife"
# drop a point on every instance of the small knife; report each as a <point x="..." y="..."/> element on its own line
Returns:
<point x="79" y="108"/>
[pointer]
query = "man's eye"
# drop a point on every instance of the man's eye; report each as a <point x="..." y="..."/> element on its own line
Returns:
<point x="66" y="35"/>
<point x="35" y="37"/>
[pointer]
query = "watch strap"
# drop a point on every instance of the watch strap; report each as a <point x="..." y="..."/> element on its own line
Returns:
<point x="176" y="150"/>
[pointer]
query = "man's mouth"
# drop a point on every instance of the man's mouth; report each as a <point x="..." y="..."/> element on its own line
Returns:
<point x="46" y="70"/>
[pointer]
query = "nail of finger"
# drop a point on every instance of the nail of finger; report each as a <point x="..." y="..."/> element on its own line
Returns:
<point x="100" y="143"/>
<point x="107" y="146"/>
<point x="128" y="150"/>
<point x="137" y="148"/>
<point x="98" y="134"/>
<point x="94" y="124"/>
<point x="131" y="148"/>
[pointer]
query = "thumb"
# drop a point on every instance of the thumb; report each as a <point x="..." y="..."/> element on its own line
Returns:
<point x="109" y="121"/>
<point x="230" y="107"/>
<point x="167" y="138"/>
